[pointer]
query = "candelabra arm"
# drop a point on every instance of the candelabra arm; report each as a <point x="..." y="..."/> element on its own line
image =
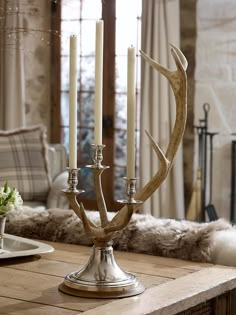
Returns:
<point x="121" y="219"/>
<point x="98" y="169"/>
<point x="101" y="237"/>
<point x="89" y="226"/>
<point x="73" y="203"/>
<point x="100" y="197"/>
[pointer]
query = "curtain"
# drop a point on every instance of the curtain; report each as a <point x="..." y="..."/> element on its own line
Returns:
<point x="160" y="26"/>
<point x="12" y="93"/>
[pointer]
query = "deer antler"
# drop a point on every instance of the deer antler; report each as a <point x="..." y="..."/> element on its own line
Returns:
<point x="178" y="82"/>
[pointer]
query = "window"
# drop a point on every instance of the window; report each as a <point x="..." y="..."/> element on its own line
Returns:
<point x="122" y="28"/>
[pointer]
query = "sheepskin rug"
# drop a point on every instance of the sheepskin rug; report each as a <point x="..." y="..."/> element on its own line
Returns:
<point x="213" y="242"/>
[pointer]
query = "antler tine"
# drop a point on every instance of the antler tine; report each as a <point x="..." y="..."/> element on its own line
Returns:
<point x="178" y="81"/>
<point x="89" y="226"/>
<point x="157" y="149"/>
<point x="159" y="177"/>
<point x="124" y="215"/>
<point x="120" y="220"/>
<point x="155" y="65"/>
<point x="179" y="57"/>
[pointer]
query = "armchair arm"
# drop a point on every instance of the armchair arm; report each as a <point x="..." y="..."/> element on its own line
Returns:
<point x="57" y="158"/>
<point x="56" y="198"/>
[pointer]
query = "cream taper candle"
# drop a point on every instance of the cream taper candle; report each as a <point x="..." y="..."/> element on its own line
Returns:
<point x="98" y="83"/>
<point x="73" y="103"/>
<point x="131" y="74"/>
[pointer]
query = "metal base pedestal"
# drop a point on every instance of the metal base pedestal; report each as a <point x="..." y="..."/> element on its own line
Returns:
<point x="101" y="278"/>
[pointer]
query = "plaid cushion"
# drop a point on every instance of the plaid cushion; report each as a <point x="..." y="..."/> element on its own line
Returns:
<point x="23" y="162"/>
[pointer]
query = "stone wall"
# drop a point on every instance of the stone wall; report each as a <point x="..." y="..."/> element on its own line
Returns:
<point x="37" y="61"/>
<point x="208" y="41"/>
<point x="215" y="83"/>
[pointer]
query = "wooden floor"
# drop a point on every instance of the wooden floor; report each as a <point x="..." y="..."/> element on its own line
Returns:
<point x="30" y="285"/>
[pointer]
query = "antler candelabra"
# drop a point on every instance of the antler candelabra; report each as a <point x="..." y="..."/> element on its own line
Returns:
<point x="102" y="277"/>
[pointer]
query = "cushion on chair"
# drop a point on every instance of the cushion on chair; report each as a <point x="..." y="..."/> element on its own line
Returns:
<point x="24" y="163"/>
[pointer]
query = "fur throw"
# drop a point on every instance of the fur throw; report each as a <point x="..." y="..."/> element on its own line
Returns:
<point x="203" y="242"/>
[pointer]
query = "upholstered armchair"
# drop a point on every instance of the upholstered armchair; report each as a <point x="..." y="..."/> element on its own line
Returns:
<point x="57" y="158"/>
<point x="37" y="169"/>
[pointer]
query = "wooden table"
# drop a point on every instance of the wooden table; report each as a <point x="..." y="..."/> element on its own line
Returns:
<point x="29" y="286"/>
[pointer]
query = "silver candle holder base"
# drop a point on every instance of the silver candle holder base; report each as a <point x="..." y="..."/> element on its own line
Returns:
<point x="101" y="277"/>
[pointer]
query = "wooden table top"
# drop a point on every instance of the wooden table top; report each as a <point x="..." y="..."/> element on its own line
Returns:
<point x="30" y="285"/>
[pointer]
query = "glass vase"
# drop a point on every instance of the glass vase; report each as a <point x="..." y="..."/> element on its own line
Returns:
<point x="2" y="230"/>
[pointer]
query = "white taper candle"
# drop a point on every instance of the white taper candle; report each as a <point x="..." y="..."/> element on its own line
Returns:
<point x="131" y="74"/>
<point x="73" y="103"/>
<point x="98" y="83"/>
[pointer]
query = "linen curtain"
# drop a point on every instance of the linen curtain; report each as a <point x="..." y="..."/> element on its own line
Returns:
<point x="12" y="93"/>
<point x="160" y="26"/>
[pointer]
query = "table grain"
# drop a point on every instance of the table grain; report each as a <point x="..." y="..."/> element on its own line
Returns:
<point x="29" y="285"/>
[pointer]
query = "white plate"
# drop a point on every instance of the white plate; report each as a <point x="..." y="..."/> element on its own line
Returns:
<point x="15" y="246"/>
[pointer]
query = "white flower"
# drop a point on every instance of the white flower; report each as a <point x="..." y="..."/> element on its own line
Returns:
<point x="10" y="199"/>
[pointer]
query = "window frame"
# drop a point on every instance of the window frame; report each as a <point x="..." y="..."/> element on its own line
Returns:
<point x="109" y="18"/>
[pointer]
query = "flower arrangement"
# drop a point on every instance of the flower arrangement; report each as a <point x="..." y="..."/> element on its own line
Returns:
<point x="10" y="199"/>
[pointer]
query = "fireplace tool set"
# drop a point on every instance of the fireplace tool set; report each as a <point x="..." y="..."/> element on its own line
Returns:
<point x="205" y="165"/>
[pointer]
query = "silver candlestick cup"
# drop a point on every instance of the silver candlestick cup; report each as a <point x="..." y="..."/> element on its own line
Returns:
<point x="102" y="277"/>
